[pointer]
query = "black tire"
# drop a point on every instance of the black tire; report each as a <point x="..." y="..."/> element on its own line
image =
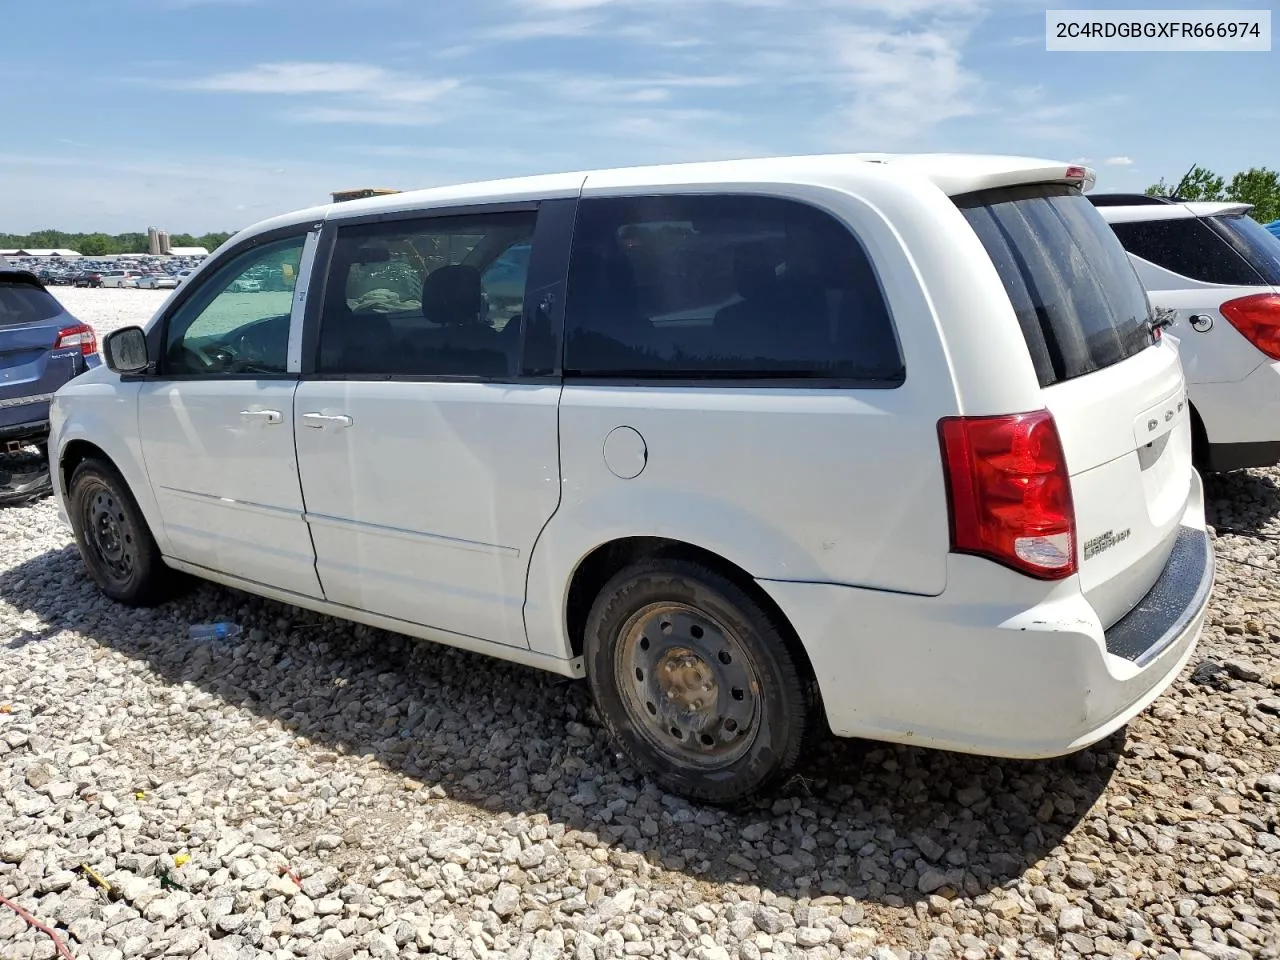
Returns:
<point x="115" y="542"/>
<point x="695" y="683"/>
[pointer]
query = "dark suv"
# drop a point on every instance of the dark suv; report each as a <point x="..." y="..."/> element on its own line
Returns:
<point x="41" y="348"/>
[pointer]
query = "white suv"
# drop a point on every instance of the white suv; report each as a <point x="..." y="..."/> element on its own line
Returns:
<point x="1217" y="271"/>
<point x="882" y="444"/>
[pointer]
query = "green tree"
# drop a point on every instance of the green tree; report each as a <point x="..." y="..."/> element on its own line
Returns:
<point x="212" y="241"/>
<point x="1199" y="184"/>
<point x="97" y="245"/>
<point x="1260" y="187"/>
<point x="102" y="244"/>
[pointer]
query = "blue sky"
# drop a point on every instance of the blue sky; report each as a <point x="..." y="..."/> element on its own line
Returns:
<point x="198" y="115"/>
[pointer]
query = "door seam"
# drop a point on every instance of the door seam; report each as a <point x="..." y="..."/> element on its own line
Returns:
<point x="302" y="490"/>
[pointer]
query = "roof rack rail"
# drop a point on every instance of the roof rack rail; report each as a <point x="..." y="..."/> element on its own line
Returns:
<point x="1129" y="199"/>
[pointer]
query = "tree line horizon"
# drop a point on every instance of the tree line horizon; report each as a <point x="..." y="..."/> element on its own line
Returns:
<point x="105" y="244"/>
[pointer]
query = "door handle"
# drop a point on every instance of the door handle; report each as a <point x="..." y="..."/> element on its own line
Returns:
<point x="270" y="416"/>
<point x="319" y="420"/>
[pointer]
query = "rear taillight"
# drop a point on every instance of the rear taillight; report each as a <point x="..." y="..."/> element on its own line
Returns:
<point x="1009" y="492"/>
<point x="81" y="335"/>
<point x="1258" y="320"/>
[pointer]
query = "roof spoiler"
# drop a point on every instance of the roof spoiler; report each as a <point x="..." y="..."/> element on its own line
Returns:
<point x="958" y="174"/>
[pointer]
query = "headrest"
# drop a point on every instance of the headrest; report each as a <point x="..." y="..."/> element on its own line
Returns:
<point x="451" y="295"/>
<point x="755" y="268"/>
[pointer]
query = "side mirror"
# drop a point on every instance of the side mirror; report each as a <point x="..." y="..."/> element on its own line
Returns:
<point x="125" y="350"/>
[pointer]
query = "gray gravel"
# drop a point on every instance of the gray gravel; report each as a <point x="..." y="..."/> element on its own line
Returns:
<point x="106" y="309"/>
<point x="317" y="789"/>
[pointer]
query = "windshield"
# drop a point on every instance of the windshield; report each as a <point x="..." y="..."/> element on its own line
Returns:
<point x="1078" y="300"/>
<point x="1254" y="242"/>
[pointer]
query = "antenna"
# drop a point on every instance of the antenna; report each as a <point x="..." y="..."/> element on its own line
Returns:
<point x="1183" y="182"/>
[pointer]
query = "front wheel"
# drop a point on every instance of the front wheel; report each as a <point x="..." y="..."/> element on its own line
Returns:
<point x="695" y="683"/>
<point x="115" y="542"/>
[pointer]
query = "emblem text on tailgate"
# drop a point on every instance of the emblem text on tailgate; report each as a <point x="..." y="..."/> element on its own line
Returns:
<point x="1104" y="541"/>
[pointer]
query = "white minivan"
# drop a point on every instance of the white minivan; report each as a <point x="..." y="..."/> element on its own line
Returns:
<point x="885" y="445"/>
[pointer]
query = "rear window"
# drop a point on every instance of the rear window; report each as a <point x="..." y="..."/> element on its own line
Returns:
<point x="1253" y="242"/>
<point x="22" y="303"/>
<point x="1075" y="293"/>
<point x="1188" y="247"/>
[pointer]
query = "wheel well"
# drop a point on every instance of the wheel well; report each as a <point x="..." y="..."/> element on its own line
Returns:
<point x="73" y="454"/>
<point x="599" y="566"/>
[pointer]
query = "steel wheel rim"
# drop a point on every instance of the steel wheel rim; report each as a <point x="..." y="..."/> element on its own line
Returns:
<point x="688" y="685"/>
<point x="108" y="533"/>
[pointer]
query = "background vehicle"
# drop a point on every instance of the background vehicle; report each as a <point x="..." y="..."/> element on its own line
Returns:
<point x="156" y="281"/>
<point x="87" y="278"/>
<point x="119" y="278"/>
<point x="1218" y="273"/>
<point x="738" y="458"/>
<point x="41" y="348"/>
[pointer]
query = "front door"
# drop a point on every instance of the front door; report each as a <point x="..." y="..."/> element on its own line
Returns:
<point x="426" y="444"/>
<point x="216" y="422"/>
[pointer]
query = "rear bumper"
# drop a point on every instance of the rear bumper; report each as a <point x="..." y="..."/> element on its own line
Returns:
<point x="31" y="430"/>
<point x="999" y="664"/>
<point x="23" y="417"/>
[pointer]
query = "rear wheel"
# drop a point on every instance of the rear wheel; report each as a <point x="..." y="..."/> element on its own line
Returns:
<point x="695" y="683"/>
<point x="114" y="540"/>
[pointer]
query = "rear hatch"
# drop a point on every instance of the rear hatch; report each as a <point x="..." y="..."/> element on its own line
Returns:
<point x="1114" y="387"/>
<point x="30" y="368"/>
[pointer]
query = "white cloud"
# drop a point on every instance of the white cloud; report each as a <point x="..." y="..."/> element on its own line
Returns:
<point x="358" y="93"/>
<point x="1118" y="162"/>
<point x="903" y="83"/>
<point x="541" y="28"/>
<point x="307" y="77"/>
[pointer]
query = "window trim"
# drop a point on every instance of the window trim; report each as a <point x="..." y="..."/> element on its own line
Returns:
<point x="715" y="380"/>
<point x="719" y="382"/>
<point x="429" y="213"/>
<point x="158" y="334"/>
<point x="543" y="239"/>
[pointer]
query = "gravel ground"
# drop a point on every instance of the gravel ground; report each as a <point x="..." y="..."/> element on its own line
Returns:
<point x="317" y="789"/>
<point x="107" y="309"/>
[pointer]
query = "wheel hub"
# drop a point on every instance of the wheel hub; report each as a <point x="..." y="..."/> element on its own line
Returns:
<point x="109" y="535"/>
<point x="688" y="685"/>
<point x="686" y="679"/>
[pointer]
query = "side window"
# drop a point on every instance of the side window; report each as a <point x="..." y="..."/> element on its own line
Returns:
<point x="1186" y="246"/>
<point x="723" y="286"/>
<point x="237" y="321"/>
<point x="441" y="296"/>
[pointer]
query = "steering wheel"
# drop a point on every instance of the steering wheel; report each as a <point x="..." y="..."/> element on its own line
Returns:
<point x="214" y="356"/>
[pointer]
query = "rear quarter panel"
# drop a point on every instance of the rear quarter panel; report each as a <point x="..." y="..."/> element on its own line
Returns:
<point x="1219" y="355"/>
<point x="839" y="486"/>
